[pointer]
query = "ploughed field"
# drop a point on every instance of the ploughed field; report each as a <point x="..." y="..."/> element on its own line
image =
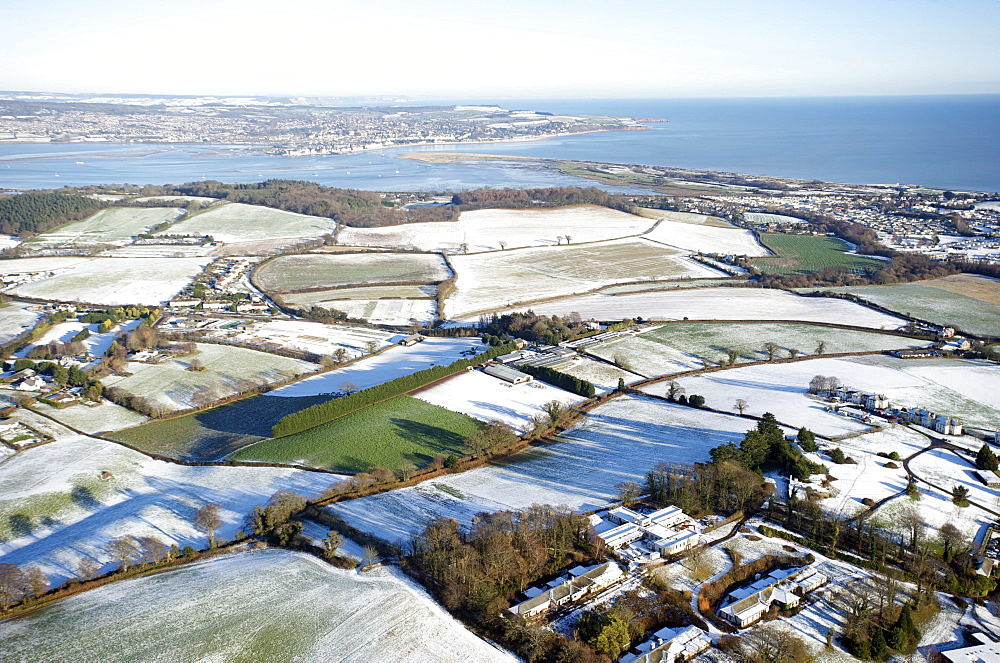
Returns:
<point x="328" y="271"/>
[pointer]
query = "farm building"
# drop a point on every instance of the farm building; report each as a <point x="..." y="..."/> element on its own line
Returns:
<point x="507" y="374"/>
<point x="669" y="645"/>
<point x="577" y="584"/>
<point x="784" y="587"/>
<point x="987" y="477"/>
<point x="916" y="353"/>
<point x="412" y="339"/>
<point x="985" y="650"/>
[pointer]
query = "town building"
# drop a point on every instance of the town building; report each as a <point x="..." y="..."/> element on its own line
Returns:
<point x="669" y="645"/>
<point x="579" y="582"/>
<point x="783" y="586"/>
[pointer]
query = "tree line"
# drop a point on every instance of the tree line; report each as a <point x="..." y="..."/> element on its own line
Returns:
<point x="34" y="212"/>
<point x="562" y="380"/>
<point x="321" y="413"/>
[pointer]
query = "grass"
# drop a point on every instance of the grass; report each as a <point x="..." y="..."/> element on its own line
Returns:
<point x="237" y="222"/>
<point x="299" y="272"/>
<point x="212" y="434"/>
<point x="24" y="515"/>
<point x="961" y="301"/>
<point x="801" y="254"/>
<point x="115" y="225"/>
<point x="383" y="435"/>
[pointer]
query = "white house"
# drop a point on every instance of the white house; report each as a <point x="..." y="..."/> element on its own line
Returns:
<point x="573" y="587"/>
<point x="669" y="645"/>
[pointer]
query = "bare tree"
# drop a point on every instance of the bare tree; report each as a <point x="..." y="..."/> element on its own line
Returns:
<point x="556" y="411"/>
<point x="740" y="405"/>
<point x="36" y="582"/>
<point x="123" y="549"/>
<point x="772" y="643"/>
<point x="732" y="354"/>
<point x="196" y="365"/>
<point x="12" y="584"/>
<point x="463" y="247"/>
<point x="621" y="361"/>
<point x="348" y="387"/>
<point x="371" y="556"/>
<point x="207" y="519"/>
<point x="820" y="348"/>
<point x="569" y="238"/>
<point x="698" y="562"/>
<point x="371" y="346"/>
<point x="628" y="492"/>
<point x="340" y="355"/>
<point x="793" y="353"/>
<point x="152" y="549"/>
<point x="674" y="390"/>
<point x="87" y="568"/>
<point x="771" y="348"/>
<point x="503" y="245"/>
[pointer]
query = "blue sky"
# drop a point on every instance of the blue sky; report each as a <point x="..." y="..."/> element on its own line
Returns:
<point x="515" y="48"/>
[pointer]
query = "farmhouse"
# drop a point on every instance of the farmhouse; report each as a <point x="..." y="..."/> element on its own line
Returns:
<point x="507" y="374"/>
<point x="577" y="584"/>
<point x="669" y="645"/>
<point x="867" y="399"/>
<point x="783" y="586"/>
<point x="412" y="339"/>
<point x="34" y="383"/>
<point x="21" y="375"/>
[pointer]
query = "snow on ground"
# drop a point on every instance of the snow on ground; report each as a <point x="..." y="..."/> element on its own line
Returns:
<point x="718" y="304"/>
<point x="117" y="225"/>
<point x="180" y="199"/>
<point x="489" y="280"/>
<point x="869" y="478"/>
<point x="117" y="281"/>
<point x="316" y="337"/>
<point x="30" y="265"/>
<point x="238" y="222"/>
<point x="15" y="319"/>
<point x="706" y="239"/>
<point x="266" y="605"/>
<point x="944" y="469"/>
<point x="646" y="357"/>
<point x="56" y="509"/>
<point x="603" y="376"/>
<point x="387" y="365"/>
<point x="98" y="419"/>
<point x="483" y="230"/>
<point x="487" y="398"/>
<point x="228" y="368"/>
<point x="776" y="388"/>
<point x="97" y="344"/>
<point x="398" y="312"/>
<point x="616" y="442"/>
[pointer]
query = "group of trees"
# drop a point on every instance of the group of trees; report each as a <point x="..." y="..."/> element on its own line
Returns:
<point x="562" y="380"/>
<point x="823" y="383"/>
<point x="765" y="447"/>
<point x="32" y="212"/>
<point x="273" y="521"/>
<point x="324" y="412"/>
<point x="549" y="330"/>
<point x="492" y="437"/>
<point x="534" y="198"/>
<point x="17" y="584"/>
<point x="704" y="488"/>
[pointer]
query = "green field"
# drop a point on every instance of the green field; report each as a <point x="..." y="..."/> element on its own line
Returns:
<point x="238" y="222"/>
<point x="801" y="254"/>
<point x="964" y="301"/>
<point x="309" y="271"/>
<point x="383" y="435"/>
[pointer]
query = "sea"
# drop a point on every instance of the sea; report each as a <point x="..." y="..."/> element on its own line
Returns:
<point x="948" y="142"/>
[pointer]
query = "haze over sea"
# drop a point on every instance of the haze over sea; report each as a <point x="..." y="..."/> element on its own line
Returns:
<point x="950" y="142"/>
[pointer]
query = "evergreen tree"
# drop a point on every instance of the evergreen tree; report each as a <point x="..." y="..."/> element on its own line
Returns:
<point x="878" y="647"/>
<point x="807" y="439"/>
<point x="985" y="459"/>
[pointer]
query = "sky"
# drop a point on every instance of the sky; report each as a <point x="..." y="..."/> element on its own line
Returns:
<point x="491" y="50"/>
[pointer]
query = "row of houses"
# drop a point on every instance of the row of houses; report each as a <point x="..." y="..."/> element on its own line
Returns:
<point x="669" y="645"/>
<point x="578" y="583"/>
<point x="667" y="531"/>
<point x="872" y="401"/>
<point x="784" y="587"/>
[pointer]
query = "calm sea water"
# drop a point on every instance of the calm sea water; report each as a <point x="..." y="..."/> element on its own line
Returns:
<point x="950" y="142"/>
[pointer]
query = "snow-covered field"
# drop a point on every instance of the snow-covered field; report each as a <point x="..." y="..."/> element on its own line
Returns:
<point x="28" y="265"/>
<point x="181" y="200"/>
<point x="398" y="312"/>
<point x="706" y="239"/>
<point x="488" y="280"/>
<point x="238" y="222"/>
<point x="390" y="364"/>
<point x="763" y="218"/>
<point x="98" y="419"/>
<point x="15" y="319"/>
<point x="316" y="337"/>
<point x="109" y="226"/>
<point x="943" y="468"/>
<point x="331" y="297"/>
<point x="682" y="346"/>
<point x="603" y="376"/>
<point x="718" y="304"/>
<point x="97" y="344"/>
<point x="117" y="281"/>
<point x="487" y="398"/>
<point x="768" y="388"/>
<point x="266" y="605"/>
<point x="618" y="441"/>
<point x="56" y="509"/>
<point x="172" y="386"/>
<point x="160" y="251"/>
<point x="315" y="270"/>
<point x="483" y="230"/>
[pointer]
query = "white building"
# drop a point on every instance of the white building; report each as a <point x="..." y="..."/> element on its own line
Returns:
<point x="578" y="583"/>
<point x="783" y="586"/>
<point x="669" y="645"/>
